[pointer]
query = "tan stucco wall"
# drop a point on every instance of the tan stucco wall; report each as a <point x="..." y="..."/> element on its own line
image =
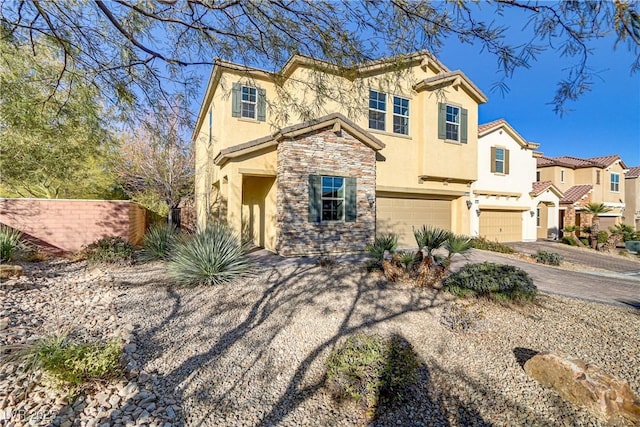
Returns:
<point x="632" y="201"/>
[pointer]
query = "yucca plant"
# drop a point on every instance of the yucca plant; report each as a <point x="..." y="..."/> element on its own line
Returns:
<point x="382" y="243"/>
<point x="10" y="240"/>
<point x="159" y="241"/>
<point x="211" y="257"/>
<point x="430" y="238"/>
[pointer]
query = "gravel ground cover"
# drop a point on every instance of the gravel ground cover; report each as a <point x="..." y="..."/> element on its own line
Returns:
<point x="253" y="353"/>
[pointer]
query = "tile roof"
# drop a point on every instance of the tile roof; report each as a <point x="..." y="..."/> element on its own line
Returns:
<point x="575" y="193"/>
<point x="634" y="172"/>
<point x="577" y="162"/>
<point x="487" y="126"/>
<point x="539" y="187"/>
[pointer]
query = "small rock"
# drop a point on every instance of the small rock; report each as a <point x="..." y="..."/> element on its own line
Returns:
<point x="8" y="271"/>
<point x="130" y="348"/>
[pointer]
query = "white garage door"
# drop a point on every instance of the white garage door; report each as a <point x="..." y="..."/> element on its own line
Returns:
<point x="501" y="226"/>
<point x="401" y="215"/>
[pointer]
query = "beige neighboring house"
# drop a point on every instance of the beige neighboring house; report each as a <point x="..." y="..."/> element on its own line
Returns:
<point x="584" y="181"/>
<point x="631" y="214"/>
<point x="401" y="153"/>
<point x="505" y="206"/>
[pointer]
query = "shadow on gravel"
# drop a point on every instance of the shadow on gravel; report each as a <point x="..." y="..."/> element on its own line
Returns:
<point x="522" y="355"/>
<point x="631" y="303"/>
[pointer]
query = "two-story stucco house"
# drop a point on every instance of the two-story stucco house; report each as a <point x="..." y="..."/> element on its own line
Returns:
<point x="505" y="206"/>
<point x="584" y="181"/>
<point x="401" y="154"/>
<point x="631" y="214"/>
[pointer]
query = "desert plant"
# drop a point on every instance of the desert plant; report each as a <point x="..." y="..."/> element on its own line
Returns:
<point x="210" y="257"/>
<point x="459" y="319"/>
<point x="488" y="245"/>
<point x="430" y="238"/>
<point x="626" y="231"/>
<point x="112" y="249"/>
<point x="547" y="257"/>
<point x="70" y="364"/>
<point x="406" y="258"/>
<point x="495" y="281"/>
<point x="382" y="243"/>
<point x="603" y="236"/>
<point x="572" y="231"/>
<point x="596" y="209"/>
<point x="456" y="244"/>
<point x="568" y="241"/>
<point x="159" y="241"/>
<point x="10" y="240"/>
<point x="372" y="370"/>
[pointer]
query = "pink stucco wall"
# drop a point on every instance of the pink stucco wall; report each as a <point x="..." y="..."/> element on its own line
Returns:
<point x="69" y="224"/>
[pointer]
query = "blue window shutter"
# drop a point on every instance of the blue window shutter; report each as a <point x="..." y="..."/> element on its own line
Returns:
<point x="351" y="200"/>
<point x="262" y="105"/>
<point x="315" y="198"/>
<point x="463" y="125"/>
<point x="442" y="124"/>
<point x="236" y="100"/>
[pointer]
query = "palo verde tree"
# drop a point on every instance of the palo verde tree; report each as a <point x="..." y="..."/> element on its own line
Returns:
<point x="138" y="51"/>
<point x="53" y="136"/>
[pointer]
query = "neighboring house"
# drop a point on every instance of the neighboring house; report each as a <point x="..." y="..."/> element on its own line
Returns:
<point x="583" y="181"/>
<point x="505" y="207"/>
<point x="631" y="215"/>
<point x="389" y="147"/>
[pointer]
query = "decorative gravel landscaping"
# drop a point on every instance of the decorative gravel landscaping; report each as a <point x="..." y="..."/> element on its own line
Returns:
<point x="254" y="352"/>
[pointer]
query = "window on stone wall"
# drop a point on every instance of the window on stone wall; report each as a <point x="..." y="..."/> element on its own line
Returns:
<point x="332" y="198"/>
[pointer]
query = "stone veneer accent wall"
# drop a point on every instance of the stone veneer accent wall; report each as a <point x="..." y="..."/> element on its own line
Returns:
<point x="323" y="153"/>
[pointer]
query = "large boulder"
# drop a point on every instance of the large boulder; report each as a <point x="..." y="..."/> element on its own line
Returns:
<point x="9" y="271"/>
<point x="586" y="385"/>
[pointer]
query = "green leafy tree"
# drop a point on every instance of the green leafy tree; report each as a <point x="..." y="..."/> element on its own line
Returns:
<point x="133" y="48"/>
<point x="53" y="137"/>
<point x="596" y="209"/>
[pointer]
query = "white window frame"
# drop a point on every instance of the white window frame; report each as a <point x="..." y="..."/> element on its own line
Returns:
<point x="500" y="161"/>
<point x="250" y="91"/>
<point x="403" y="117"/>
<point x="455" y="125"/>
<point x="324" y="198"/>
<point x="614" y="184"/>
<point x="376" y="110"/>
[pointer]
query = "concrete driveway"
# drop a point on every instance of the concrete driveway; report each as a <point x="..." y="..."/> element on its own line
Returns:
<point x="609" y="288"/>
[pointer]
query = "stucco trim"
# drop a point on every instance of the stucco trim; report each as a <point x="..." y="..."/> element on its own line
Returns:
<point x="488" y="128"/>
<point x="389" y="191"/>
<point x="338" y="121"/>
<point x="445" y="179"/>
<point x="257" y="172"/>
<point x="503" y="208"/>
<point x="496" y="193"/>
<point x="453" y="78"/>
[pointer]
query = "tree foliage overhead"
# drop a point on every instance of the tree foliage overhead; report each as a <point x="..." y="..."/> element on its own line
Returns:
<point x="53" y="138"/>
<point x="133" y="48"/>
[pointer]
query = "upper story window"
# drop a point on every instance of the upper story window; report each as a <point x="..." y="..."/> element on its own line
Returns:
<point x="615" y="182"/>
<point x="499" y="160"/>
<point x="400" y="115"/>
<point x="537" y="176"/>
<point x="598" y="177"/>
<point x="332" y="198"/>
<point x="249" y="102"/>
<point x="561" y="175"/>
<point x="377" y="109"/>
<point x="452" y="123"/>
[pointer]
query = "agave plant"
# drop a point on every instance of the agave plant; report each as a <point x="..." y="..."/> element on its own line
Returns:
<point x="10" y="240"/>
<point x="159" y="241"/>
<point x="211" y="257"/>
<point x="430" y="238"/>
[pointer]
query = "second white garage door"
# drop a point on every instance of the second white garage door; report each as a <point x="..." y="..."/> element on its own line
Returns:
<point x="401" y="215"/>
<point x="501" y="226"/>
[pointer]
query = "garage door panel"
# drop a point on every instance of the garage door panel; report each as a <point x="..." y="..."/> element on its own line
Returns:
<point x="501" y="226"/>
<point x="401" y="216"/>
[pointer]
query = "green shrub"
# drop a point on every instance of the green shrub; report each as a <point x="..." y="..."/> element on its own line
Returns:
<point x="112" y="249"/>
<point x="603" y="236"/>
<point x="547" y="257"/>
<point x="406" y="258"/>
<point x="626" y="231"/>
<point x="501" y="282"/>
<point x="488" y="245"/>
<point x="382" y="243"/>
<point x="372" y="370"/>
<point x="585" y="241"/>
<point x="159" y="241"/>
<point x="211" y="257"/>
<point x="10" y="241"/>
<point x="72" y="364"/>
<point x="568" y="241"/>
